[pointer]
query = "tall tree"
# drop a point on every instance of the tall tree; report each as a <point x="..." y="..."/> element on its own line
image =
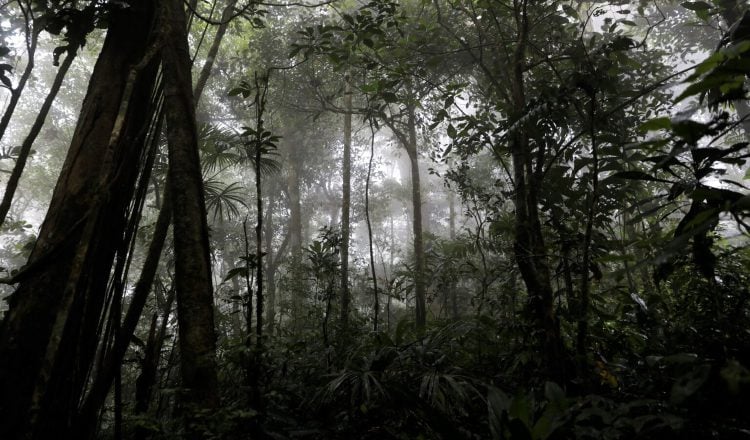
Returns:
<point x="346" y="173"/>
<point x="194" y="289"/>
<point x="49" y="335"/>
<point x="407" y="136"/>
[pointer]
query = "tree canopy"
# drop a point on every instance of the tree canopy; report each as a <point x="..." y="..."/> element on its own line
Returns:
<point x="414" y="219"/>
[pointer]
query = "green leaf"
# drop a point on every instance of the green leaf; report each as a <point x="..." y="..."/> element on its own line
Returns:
<point x="521" y="408"/>
<point x="296" y="48"/>
<point x="451" y="131"/>
<point x="662" y="123"/>
<point x="707" y="83"/>
<point x="690" y="130"/>
<point x="570" y="11"/>
<point x="696" y="6"/>
<point x="544" y="427"/>
<point x="554" y="393"/>
<point x="237" y="271"/>
<point x="497" y="405"/>
<point x="389" y="97"/>
<point x="707" y="65"/>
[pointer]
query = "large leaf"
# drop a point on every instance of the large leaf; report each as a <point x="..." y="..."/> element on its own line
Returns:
<point x="224" y="200"/>
<point x="696" y="6"/>
<point x="498" y="404"/>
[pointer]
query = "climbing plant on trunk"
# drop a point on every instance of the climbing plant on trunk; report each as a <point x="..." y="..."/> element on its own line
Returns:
<point x="49" y="335"/>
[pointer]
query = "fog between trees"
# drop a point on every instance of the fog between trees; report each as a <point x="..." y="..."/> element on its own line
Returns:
<point x="448" y="219"/>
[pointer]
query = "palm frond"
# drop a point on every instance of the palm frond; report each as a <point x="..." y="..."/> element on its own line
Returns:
<point x="268" y="163"/>
<point x="218" y="148"/>
<point x="224" y="200"/>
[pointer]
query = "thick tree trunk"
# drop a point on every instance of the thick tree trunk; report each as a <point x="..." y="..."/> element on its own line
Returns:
<point x="49" y="335"/>
<point x="103" y="380"/>
<point x="345" y="205"/>
<point x="104" y="377"/>
<point x="193" y="284"/>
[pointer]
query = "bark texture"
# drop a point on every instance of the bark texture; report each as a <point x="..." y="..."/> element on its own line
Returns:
<point x="194" y="289"/>
<point x="407" y="136"/>
<point x="345" y="206"/>
<point x="49" y="336"/>
<point x="416" y="198"/>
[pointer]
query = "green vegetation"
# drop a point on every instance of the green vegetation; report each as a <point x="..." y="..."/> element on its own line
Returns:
<point x="416" y="219"/>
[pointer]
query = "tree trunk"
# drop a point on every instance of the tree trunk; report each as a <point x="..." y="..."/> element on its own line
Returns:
<point x="376" y="304"/>
<point x="295" y="241"/>
<point x="25" y="151"/>
<point x="453" y="287"/>
<point x="416" y="197"/>
<point x="529" y="248"/>
<point x="49" y="336"/>
<point x="146" y="381"/>
<point x="193" y="284"/>
<point x="103" y="379"/>
<point x="345" y="205"/>
<point x="592" y="200"/>
<point x="213" y="51"/>
<point x="270" y="266"/>
<point x="451" y="215"/>
<point x="32" y="33"/>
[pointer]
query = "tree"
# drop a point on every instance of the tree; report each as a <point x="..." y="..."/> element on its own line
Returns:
<point x="192" y="263"/>
<point x="346" y="204"/>
<point x="49" y="335"/>
<point x="110" y="134"/>
<point x="75" y="41"/>
<point x="374" y="42"/>
<point x="595" y="264"/>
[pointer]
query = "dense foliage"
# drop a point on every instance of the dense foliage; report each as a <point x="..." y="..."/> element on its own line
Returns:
<point x="423" y="219"/>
